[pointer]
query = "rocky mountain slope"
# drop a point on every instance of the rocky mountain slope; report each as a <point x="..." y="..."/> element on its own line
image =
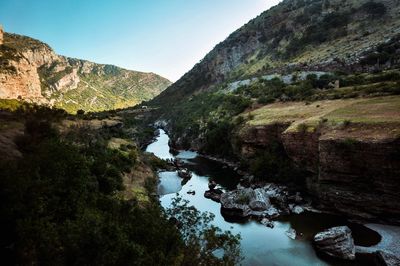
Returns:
<point x="32" y="71"/>
<point x="298" y="35"/>
<point x="306" y="92"/>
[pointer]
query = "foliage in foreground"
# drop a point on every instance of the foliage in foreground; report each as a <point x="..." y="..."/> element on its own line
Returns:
<point x="204" y="239"/>
<point x="60" y="205"/>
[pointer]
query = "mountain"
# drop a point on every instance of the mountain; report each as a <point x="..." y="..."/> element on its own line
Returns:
<point x="32" y="71"/>
<point x="297" y="35"/>
<point x="307" y="93"/>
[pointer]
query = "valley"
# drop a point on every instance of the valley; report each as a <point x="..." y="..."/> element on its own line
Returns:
<point x="280" y="147"/>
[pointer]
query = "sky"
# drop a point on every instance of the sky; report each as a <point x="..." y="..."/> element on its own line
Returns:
<point x="167" y="37"/>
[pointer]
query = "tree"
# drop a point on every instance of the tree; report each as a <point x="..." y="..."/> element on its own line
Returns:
<point x="374" y="9"/>
<point x="201" y="238"/>
<point x="80" y="112"/>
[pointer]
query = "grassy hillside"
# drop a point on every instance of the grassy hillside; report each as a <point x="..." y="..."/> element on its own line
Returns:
<point x="379" y="111"/>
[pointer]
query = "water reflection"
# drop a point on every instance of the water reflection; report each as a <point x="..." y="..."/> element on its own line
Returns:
<point x="160" y="147"/>
<point x="260" y="245"/>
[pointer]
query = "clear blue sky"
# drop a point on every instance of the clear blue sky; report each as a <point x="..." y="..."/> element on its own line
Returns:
<point x="163" y="36"/>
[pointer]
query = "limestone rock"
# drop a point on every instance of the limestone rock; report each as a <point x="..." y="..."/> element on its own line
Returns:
<point x="336" y="242"/>
<point x="1" y="35"/>
<point x="259" y="200"/>
<point x="213" y="194"/>
<point x="386" y="259"/>
<point x="235" y="203"/>
<point x="291" y="233"/>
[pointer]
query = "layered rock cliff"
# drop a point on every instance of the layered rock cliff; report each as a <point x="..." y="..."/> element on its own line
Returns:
<point x="353" y="160"/>
<point x="32" y="71"/>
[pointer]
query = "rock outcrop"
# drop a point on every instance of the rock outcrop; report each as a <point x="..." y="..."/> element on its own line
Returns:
<point x="386" y="259"/>
<point x="269" y="201"/>
<point x="336" y="242"/>
<point x="1" y="35"/>
<point x="348" y="168"/>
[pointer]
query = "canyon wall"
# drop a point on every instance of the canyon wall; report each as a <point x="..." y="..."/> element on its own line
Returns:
<point x="1" y="35"/>
<point x="357" y="175"/>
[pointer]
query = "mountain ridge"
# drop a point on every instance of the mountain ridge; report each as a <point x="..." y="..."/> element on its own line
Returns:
<point x="32" y="71"/>
<point x="278" y="41"/>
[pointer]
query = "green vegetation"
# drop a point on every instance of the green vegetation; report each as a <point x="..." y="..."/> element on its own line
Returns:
<point x="10" y="104"/>
<point x="273" y="164"/>
<point x="112" y="90"/>
<point x="203" y="238"/>
<point x="323" y="87"/>
<point x="374" y="9"/>
<point x="73" y="84"/>
<point x="210" y="115"/>
<point x="58" y="207"/>
<point x="332" y="112"/>
<point x="62" y="202"/>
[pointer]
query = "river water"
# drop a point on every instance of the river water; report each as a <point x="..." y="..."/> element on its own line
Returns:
<point x="260" y="245"/>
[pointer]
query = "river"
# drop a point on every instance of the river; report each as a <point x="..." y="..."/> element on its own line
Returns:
<point x="260" y="245"/>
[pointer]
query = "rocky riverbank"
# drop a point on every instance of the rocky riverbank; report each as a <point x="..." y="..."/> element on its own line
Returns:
<point x="265" y="203"/>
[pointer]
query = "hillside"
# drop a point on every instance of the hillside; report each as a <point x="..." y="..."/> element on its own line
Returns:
<point x="304" y="94"/>
<point x="299" y="35"/>
<point x="32" y="71"/>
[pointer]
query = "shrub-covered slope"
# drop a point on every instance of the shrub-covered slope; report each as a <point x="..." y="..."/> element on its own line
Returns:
<point x="299" y="35"/>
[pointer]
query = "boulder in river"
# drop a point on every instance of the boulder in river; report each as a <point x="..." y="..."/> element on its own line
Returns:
<point x="191" y="192"/>
<point x="213" y="194"/>
<point x="212" y="184"/>
<point x="296" y="209"/>
<point x="386" y="259"/>
<point x="336" y="242"/>
<point x="235" y="203"/>
<point x="291" y="233"/>
<point x="259" y="200"/>
<point x="267" y="223"/>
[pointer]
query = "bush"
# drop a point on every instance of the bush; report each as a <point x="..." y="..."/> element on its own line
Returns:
<point x="374" y="9"/>
<point x="80" y="112"/>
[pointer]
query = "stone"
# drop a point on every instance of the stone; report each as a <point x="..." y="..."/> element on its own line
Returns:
<point x="291" y="233"/>
<point x="272" y="212"/>
<point x="259" y="200"/>
<point x="213" y="194"/>
<point x="191" y="192"/>
<point x="185" y="174"/>
<point x="235" y="203"/>
<point x="336" y="242"/>
<point x="386" y="259"/>
<point x="212" y="185"/>
<point x="267" y="223"/>
<point x="297" y="209"/>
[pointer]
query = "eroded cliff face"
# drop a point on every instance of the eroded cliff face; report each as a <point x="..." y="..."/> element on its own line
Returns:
<point x="1" y="35"/>
<point x="353" y="170"/>
<point x="30" y="70"/>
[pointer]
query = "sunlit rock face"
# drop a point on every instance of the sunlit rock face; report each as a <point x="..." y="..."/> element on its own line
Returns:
<point x="336" y="242"/>
<point x="1" y="35"/>
<point x="30" y="70"/>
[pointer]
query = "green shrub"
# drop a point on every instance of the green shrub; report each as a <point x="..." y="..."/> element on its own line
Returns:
<point x="374" y="9"/>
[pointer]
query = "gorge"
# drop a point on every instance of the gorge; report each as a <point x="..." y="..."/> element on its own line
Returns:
<point x="260" y="244"/>
<point x="280" y="147"/>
